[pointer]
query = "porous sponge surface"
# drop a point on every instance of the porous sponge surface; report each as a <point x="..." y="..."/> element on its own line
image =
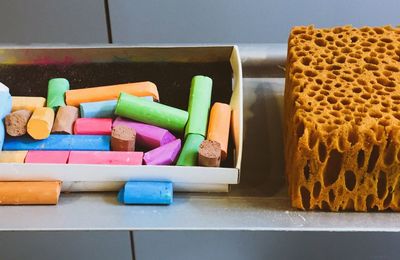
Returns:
<point x="342" y="116"/>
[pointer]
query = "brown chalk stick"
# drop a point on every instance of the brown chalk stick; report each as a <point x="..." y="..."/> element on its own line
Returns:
<point x="123" y="138"/>
<point x="29" y="193"/>
<point x="65" y="118"/>
<point x="210" y="153"/>
<point x="16" y="122"/>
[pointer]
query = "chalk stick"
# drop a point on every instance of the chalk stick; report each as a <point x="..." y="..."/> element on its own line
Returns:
<point x="5" y="101"/>
<point x="12" y="156"/>
<point x="163" y="155"/>
<point x="59" y="143"/>
<point x="102" y="109"/>
<point x="2" y="134"/>
<point x="65" y="120"/>
<point x="41" y="122"/>
<point x="5" y="109"/>
<point x="29" y="193"/>
<point x="114" y="158"/>
<point x="147" y="192"/>
<point x="59" y="157"/>
<point x="17" y="121"/>
<point x="199" y="105"/>
<point x="93" y="126"/>
<point x="152" y="113"/>
<point x="56" y="92"/>
<point x="210" y="154"/>
<point x="218" y="126"/>
<point x="28" y="103"/>
<point x="147" y="136"/>
<point x="141" y="89"/>
<point x="123" y="138"/>
<point x="190" y="150"/>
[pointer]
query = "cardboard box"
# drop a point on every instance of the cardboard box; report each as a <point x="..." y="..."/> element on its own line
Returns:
<point x="27" y="70"/>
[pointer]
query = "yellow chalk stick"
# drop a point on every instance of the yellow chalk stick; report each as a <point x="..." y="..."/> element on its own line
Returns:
<point x="12" y="156"/>
<point x="27" y="103"/>
<point x="41" y="122"/>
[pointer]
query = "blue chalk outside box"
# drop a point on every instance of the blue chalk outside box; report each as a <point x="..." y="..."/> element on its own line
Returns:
<point x="101" y="109"/>
<point x="59" y="143"/>
<point x="146" y="192"/>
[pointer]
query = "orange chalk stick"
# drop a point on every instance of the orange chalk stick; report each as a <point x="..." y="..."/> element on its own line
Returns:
<point x="27" y="103"/>
<point x="41" y="122"/>
<point x="29" y="193"/>
<point x="218" y="126"/>
<point x="141" y="89"/>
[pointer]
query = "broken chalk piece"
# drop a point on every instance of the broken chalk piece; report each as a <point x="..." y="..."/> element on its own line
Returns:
<point x="163" y="155"/>
<point x="148" y="136"/>
<point x="59" y="157"/>
<point x="17" y="121"/>
<point x="41" y="122"/>
<point x="190" y="150"/>
<point x="210" y="154"/>
<point x="218" y="126"/>
<point x="199" y="105"/>
<point x="115" y="158"/>
<point x="29" y="193"/>
<point x="5" y="101"/>
<point x="102" y="109"/>
<point x="28" y="103"/>
<point x="147" y="192"/>
<point x="152" y="113"/>
<point x="93" y="126"/>
<point x="56" y="92"/>
<point x="141" y="89"/>
<point x="12" y="156"/>
<point x="59" y="143"/>
<point x="123" y="138"/>
<point x="65" y="120"/>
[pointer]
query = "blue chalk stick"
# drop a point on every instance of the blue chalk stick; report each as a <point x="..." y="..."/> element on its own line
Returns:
<point x="101" y="109"/>
<point x="59" y="142"/>
<point x="5" y="103"/>
<point x="2" y="134"/>
<point x="120" y="196"/>
<point x="148" y="192"/>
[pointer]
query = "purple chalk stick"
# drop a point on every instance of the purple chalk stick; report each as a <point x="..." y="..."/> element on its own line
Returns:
<point x="148" y="136"/>
<point x="163" y="155"/>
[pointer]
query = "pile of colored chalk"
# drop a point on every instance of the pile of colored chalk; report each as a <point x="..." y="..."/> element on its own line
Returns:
<point x="120" y="124"/>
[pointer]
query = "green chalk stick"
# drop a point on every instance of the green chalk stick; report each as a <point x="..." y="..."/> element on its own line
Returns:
<point x="56" y="92"/>
<point x="152" y="113"/>
<point x="199" y="105"/>
<point x="190" y="150"/>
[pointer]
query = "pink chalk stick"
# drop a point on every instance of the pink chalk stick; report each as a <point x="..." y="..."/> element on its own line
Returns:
<point x="163" y="155"/>
<point x="148" y="136"/>
<point x="60" y="157"/>
<point x="120" y="158"/>
<point x="93" y="126"/>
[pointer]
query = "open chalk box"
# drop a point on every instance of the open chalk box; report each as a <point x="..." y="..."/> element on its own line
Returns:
<point x="26" y="72"/>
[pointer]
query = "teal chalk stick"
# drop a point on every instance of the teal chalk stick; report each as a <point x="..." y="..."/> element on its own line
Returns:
<point x="199" y="105"/>
<point x="102" y="109"/>
<point x="56" y="92"/>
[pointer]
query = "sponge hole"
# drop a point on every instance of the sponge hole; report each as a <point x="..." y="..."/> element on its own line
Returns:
<point x="350" y="180"/>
